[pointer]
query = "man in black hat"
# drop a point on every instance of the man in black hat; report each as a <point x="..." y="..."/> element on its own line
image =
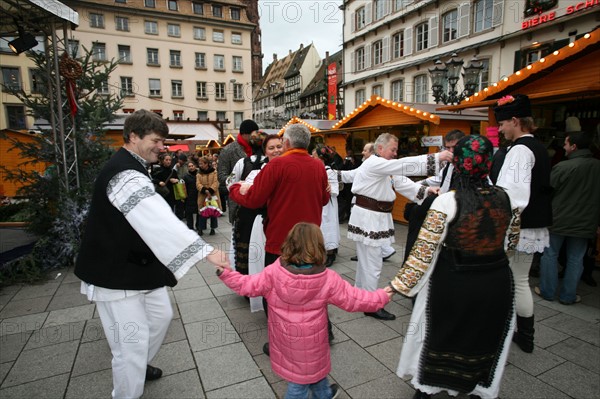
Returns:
<point x="231" y="154"/>
<point x="525" y="175"/>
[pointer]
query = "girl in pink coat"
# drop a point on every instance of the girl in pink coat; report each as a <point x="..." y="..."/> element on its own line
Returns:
<point x="298" y="289"/>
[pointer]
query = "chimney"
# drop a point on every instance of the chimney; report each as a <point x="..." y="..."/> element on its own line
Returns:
<point x="274" y="57"/>
<point x="301" y="46"/>
<point x="290" y="52"/>
<point x="327" y="58"/>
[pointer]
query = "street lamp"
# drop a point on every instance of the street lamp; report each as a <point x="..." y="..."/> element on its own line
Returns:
<point x="448" y="73"/>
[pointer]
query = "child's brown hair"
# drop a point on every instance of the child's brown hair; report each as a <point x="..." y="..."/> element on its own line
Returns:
<point x="304" y="245"/>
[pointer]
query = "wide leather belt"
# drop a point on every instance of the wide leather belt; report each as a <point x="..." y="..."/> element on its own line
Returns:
<point x="374" y="205"/>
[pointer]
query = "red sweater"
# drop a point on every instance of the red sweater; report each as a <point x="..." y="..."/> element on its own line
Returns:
<point x="294" y="189"/>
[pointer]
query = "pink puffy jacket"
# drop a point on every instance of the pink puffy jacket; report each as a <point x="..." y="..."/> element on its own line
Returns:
<point x="298" y="338"/>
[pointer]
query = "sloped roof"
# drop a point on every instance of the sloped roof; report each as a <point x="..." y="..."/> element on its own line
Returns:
<point x="582" y="47"/>
<point x="315" y="125"/>
<point x="297" y="62"/>
<point x="319" y="82"/>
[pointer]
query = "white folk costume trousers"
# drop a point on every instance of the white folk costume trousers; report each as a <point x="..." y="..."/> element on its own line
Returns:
<point x="520" y="263"/>
<point x="369" y="266"/>
<point x="135" y="328"/>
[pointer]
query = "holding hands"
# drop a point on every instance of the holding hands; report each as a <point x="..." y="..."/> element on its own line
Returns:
<point x="219" y="259"/>
<point x="446" y="156"/>
<point x="388" y="290"/>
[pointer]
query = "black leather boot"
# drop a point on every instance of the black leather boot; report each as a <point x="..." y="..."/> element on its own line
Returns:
<point x="524" y="335"/>
<point x="421" y="395"/>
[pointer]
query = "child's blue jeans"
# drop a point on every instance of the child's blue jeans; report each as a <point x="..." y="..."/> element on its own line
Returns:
<point x="320" y="390"/>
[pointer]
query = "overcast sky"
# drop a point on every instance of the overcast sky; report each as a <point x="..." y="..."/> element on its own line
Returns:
<point x="286" y="24"/>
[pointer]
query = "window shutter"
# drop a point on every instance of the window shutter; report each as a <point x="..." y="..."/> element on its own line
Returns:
<point x="517" y="64"/>
<point x="368" y="13"/>
<point x="497" y="12"/>
<point x="367" y="56"/>
<point x="464" y="19"/>
<point x="386" y="8"/>
<point x="353" y="22"/>
<point x="433" y="32"/>
<point x="408" y="41"/>
<point x="353" y="55"/>
<point x="386" y="48"/>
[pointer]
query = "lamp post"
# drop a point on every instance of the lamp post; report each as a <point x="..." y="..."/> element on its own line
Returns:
<point x="445" y="76"/>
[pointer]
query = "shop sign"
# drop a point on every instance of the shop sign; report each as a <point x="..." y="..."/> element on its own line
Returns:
<point x="551" y="16"/>
<point x="432" y="141"/>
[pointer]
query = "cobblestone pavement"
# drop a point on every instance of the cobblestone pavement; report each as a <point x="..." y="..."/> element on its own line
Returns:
<point x="52" y="344"/>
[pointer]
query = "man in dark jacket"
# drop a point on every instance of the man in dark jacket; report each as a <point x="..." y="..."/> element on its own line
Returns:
<point x="126" y="260"/>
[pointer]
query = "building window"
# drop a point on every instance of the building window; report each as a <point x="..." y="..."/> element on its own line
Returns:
<point x="126" y="86"/>
<point x="154" y="85"/>
<point x="238" y="92"/>
<point x="217" y="11"/>
<point x="124" y="54"/>
<point x="173" y="30"/>
<point x="218" y="36"/>
<point x="202" y="115"/>
<point x="422" y="36"/>
<point x="220" y="91"/>
<point x="73" y="48"/>
<point x="360" y="16"/>
<point x="533" y="54"/>
<point x="484" y="78"/>
<point x="219" y="64"/>
<point x="199" y="33"/>
<point x="11" y="78"/>
<point x="103" y="89"/>
<point x="377" y="90"/>
<point x="483" y="14"/>
<point x="201" y="90"/>
<point x="360" y="59"/>
<point x="151" y="27"/>
<point x="150" y="3"/>
<point x="198" y="8"/>
<point x="380" y="9"/>
<point x="172" y="5"/>
<point x="450" y="21"/>
<point x="359" y="97"/>
<point x="238" y="117"/>
<point x="235" y="13"/>
<point x="177" y="88"/>
<point x="122" y="23"/>
<point x="237" y="64"/>
<point x="96" y="20"/>
<point x="200" y="60"/>
<point x="157" y="111"/>
<point x="128" y="110"/>
<point x="15" y="117"/>
<point x="397" y="90"/>
<point x="152" y="56"/>
<point x="377" y="50"/>
<point x="38" y="82"/>
<point x="398" y="44"/>
<point x="421" y="89"/>
<point x="221" y="115"/>
<point x="99" y="51"/>
<point x="236" y="38"/>
<point x="177" y="115"/>
<point x="401" y="4"/>
<point x="175" y="58"/>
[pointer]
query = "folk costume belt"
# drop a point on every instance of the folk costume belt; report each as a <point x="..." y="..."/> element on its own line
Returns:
<point x="374" y="205"/>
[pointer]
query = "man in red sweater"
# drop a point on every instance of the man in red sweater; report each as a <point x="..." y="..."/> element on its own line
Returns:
<point x="292" y="186"/>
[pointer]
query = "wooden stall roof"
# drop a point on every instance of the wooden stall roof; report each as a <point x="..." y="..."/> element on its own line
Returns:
<point x="315" y="125"/>
<point x="552" y="77"/>
<point x="213" y="144"/>
<point x="228" y="139"/>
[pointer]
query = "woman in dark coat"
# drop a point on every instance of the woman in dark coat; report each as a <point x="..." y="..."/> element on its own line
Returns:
<point x="163" y="175"/>
<point x="191" y="201"/>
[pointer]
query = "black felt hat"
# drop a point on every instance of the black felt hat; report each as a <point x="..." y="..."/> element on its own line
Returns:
<point x="248" y="126"/>
<point x="517" y="106"/>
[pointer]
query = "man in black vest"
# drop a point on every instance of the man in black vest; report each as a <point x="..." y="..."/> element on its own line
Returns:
<point x="126" y="260"/>
<point x="525" y="175"/>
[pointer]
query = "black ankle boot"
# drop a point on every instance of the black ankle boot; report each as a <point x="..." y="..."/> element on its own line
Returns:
<point x="524" y="335"/>
<point x="421" y="395"/>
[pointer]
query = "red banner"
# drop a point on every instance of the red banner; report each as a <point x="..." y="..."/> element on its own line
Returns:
<point x="331" y="90"/>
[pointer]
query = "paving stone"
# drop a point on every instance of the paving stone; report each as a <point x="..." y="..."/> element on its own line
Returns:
<point x="388" y="352"/>
<point x="353" y="365"/>
<point x="12" y="345"/>
<point x="70" y="277"/>
<point x="25" y="306"/>
<point x="174" y="358"/>
<point x="192" y="279"/>
<point x="36" y="290"/>
<point x="402" y="325"/>
<point x="367" y="331"/>
<point x="534" y="363"/>
<point x="192" y="294"/>
<point x="578" y="352"/>
<point x="176" y="332"/>
<point x="244" y="320"/>
<point x="389" y="386"/>
<point x="575" y="327"/>
<point x="338" y="336"/>
<point x="257" y="388"/>
<point x="233" y="301"/>
<point x="517" y="384"/>
<point x="4" y="369"/>
<point x="573" y="380"/>
<point x="203" y="309"/>
<point x="92" y="357"/>
<point x="91" y="386"/>
<point x="280" y="389"/>
<point x="21" y="324"/>
<point x="71" y="315"/>
<point x="93" y="331"/>
<point x="55" y="334"/>
<point x="213" y="333"/>
<point x="264" y="365"/>
<point x="226" y="365"/>
<point x="220" y="289"/>
<point x="580" y="310"/>
<point x="342" y="268"/>
<point x="41" y="363"/>
<point x="72" y="288"/>
<point x="181" y="385"/>
<point x="51" y="388"/>
<point x="543" y="312"/>
<point x="67" y="301"/>
<point x="337" y="315"/>
<point x="546" y="336"/>
<point x="254" y="340"/>
<point x="212" y="279"/>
